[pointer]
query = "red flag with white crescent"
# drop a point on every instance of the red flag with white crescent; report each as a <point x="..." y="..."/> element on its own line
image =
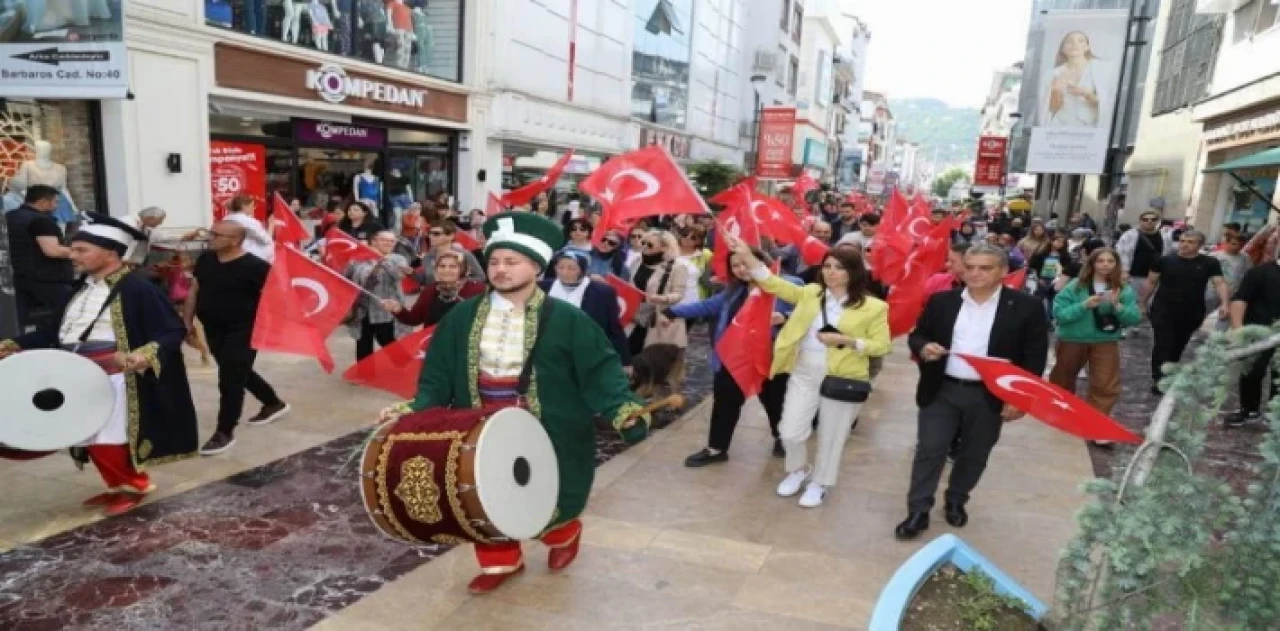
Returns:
<point x="1016" y="280"/>
<point x="746" y="348"/>
<point x="629" y="299"/>
<point x="301" y="305"/>
<point x="643" y="183"/>
<point x="526" y="193"/>
<point x="493" y="205"/>
<point x="341" y="249"/>
<point x="739" y="222"/>
<point x="394" y="368"/>
<point x="288" y="228"/>
<point x="802" y="186"/>
<point x="1047" y="402"/>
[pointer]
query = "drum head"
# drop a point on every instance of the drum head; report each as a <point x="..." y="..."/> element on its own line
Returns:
<point x="52" y="399"/>
<point x="517" y="474"/>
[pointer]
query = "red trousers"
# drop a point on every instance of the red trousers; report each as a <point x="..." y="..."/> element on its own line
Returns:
<point x="116" y="468"/>
<point x="505" y="558"/>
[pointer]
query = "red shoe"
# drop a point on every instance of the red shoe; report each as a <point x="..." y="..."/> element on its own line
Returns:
<point x="560" y="558"/>
<point x="486" y="583"/>
<point x="123" y="503"/>
<point x="102" y="499"/>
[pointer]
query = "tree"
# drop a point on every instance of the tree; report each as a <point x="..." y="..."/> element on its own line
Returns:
<point x="943" y="183"/>
<point x="712" y="176"/>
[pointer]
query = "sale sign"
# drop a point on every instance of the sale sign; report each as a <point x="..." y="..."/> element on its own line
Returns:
<point x="990" y="168"/>
<point x="777" y="131"/>
<point x="238" y="168"/>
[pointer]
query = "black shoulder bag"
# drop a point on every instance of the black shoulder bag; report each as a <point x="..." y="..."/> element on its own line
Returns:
<point x="840" y="388"/>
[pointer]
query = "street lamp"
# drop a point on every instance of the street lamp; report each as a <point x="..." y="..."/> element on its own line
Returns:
<point x="756" y="80"/>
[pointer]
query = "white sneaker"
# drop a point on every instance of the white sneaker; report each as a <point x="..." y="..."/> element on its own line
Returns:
<point x="794" y="481"/>
<point x="813" y="495"/>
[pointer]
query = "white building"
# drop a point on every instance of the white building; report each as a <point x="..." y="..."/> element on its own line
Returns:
<point x="852" y="59"/>
<point x="772" y="51"/>
<point x="815" y="135"/>
<point x="1002" y="101"/>
<point x="906" y="163"/>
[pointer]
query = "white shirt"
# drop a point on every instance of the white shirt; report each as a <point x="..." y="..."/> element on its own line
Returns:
<point x="82" y="313"/>
<point x="573" y="295"/>
<point x="691" y="294"/>
<point x="257" y="241"/>
<point x="834" y="308"/>
<point x="972" y="334"/>
<point x="502" y="338"/>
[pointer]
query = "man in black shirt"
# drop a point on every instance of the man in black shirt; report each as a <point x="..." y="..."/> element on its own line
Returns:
<point x="228" y="284"/>
<point x="1139" y="248"/>
<point x="1179" y="282"/>
<point x="1257" y="301"/>
<point x="41" y="262"/>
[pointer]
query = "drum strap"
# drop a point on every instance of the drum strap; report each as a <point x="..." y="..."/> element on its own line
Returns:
<point x="111" y="296"/>
<point x="526" y="371"/>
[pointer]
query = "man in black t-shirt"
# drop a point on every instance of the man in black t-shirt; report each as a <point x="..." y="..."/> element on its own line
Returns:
<point x="1139" y="248"/>
<point x="41" y="261"/>
<point x="228" y="284"/>
<point x="1179" y="282"/>
<point x="1257" y="301"/>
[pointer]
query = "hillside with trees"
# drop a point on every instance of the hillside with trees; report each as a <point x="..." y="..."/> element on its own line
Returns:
<point x="952" y="131"/>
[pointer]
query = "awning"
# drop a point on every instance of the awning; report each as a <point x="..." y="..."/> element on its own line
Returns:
<point x="1266" y="158"/>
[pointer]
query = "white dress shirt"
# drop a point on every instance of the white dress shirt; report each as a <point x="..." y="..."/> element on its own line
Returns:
<point x="972" y="334"/>
<point x="257" y="241"/>
<point x="502" y="338"/>
<point x="834" y="308"/>
<point x="82" y="313"/>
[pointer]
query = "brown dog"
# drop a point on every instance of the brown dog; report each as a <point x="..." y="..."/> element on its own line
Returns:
<point x="659" y="364"/>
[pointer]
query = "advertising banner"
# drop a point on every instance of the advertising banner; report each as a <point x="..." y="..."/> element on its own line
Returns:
<point x="238" y="168"/>
<point x="1079" y="77"/>
<point x="63" y="50"/>
<point x="990" y="168"/>
<point x="311" y="132"/>
<point x="777" y="131"/>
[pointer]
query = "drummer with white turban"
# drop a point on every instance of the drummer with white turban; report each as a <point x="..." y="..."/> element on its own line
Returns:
<point x="126" y="325"/>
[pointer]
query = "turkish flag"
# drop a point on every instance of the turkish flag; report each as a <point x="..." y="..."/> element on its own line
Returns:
<point x="464" y="239"/>
<point x="1047" y="402"/>
<point x="493" y="205"/>
<point x="1016" y="280"/>
<point x="394" y="368"/>
<point x="526" y="193"/>
<point x="409" y="286"/>
<point x="800" y="190"/>
<point x="896" y="213"/>
<point x="891" y="254"/>
<point x="907" y="298"/>
<point x="301" y="305"/>
<point x="739" y="222"/>
<point x="342" y="249"/>
<point x="629" y="298"/>
<point x="812" y="251"/>
<point x="643" y="183"/>
<point x="610" y="222"/>
<point x="778" y="221"/>
<point x="288" y="228"/>
<point x="746" y="348"/>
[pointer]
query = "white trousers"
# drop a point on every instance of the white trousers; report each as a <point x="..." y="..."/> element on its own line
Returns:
<point x="116" y="431"/>
<point x="835" y="419"/>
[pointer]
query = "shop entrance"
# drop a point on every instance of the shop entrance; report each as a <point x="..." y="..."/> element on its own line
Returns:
<point x="330" y="174"/>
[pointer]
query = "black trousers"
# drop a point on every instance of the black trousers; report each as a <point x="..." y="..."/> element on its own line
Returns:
<point x="1251" y="381"/>
<point x="959" y="411"/>
<point x="726" y="407"/>
<point x="47" y="298"/>
<point x="235" y="357"/>
<point x="1173" y="324"/>
<point x="384" y="333"/>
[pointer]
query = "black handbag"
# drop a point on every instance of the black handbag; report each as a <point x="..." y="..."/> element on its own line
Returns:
<point x="1105" y="322"/>
<point x="840" y="388"/>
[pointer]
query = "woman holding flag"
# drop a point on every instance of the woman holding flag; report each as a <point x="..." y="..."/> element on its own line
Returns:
<point x="826" y="346"/>
<point x="439" y="297"/>
<point x="370" y="319"/>
<point x="730" y="392"/>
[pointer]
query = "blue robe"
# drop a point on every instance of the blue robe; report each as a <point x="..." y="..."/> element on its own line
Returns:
<point x="161" y="415"/>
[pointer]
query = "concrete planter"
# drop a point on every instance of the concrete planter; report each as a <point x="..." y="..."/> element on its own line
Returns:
<point x="892" y="605"/>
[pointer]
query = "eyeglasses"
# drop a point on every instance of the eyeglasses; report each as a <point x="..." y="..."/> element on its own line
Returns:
<point x="579" y="229"/>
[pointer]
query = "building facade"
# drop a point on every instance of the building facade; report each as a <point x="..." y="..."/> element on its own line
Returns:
<point x="852" y="60"/>
<point x="772" y="59"/>
<point x="816" y="109"/>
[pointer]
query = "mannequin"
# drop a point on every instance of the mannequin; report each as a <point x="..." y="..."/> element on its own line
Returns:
<point x="373" y="22"/>
<point x="365" y="187"/>
<point x="292" y="23"/>
<point x="426" y="38"/>
<point x="43" y="170"/>
<point x="400" y="37"/>
<point x="401" y="193"/>
<point x="320" y="23"/>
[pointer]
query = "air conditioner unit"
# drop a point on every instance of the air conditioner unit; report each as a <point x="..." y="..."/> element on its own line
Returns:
<point x="766" y="61"/>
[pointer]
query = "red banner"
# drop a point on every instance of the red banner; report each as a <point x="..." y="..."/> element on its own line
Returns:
<point x="238" y="168"/>
<point x="990" y="168"/>
<point x="777" y="131"/>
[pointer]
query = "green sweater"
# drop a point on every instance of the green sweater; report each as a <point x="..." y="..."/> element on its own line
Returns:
<point x="1075" y="321"/>
<point x="576" y="376"/>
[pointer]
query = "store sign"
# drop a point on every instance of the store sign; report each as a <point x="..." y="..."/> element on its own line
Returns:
<point x="332" y="84"/>
<point x="777" y="135"/>
<point x="237" y="168"/>
<point x="1246" y="130"/>
<point x="344" y="134"/>
<point x="990" y="168"/>
<point x="815" y="153"/>
<point x="52" y="51"/>
<point x="258" y="70"/>
<point x="677" y="144"/>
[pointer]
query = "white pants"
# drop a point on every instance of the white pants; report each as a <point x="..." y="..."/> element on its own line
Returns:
<point x="116" y="431"/>
<point x="835" y="419"/>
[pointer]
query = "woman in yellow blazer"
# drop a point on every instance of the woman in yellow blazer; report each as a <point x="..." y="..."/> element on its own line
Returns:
<point x="810" y="355"/>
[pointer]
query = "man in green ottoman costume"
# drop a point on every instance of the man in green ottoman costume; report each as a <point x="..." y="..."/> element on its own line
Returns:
<point x="476" y="358"/>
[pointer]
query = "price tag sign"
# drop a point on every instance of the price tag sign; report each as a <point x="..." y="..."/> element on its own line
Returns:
<point x="237" y="168"/>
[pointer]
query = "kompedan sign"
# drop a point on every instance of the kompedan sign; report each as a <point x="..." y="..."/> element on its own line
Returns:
<point x="70" y="50"/>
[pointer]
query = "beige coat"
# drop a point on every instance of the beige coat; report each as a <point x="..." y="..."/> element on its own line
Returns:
<point x="676" y="333"/>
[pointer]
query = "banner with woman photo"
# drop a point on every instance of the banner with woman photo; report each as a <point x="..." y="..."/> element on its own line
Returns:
<point x="1080" y="66"/>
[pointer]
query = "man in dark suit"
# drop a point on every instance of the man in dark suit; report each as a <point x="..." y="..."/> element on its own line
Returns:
<point x="597" y="299"/>
<point x="982" y="319"/>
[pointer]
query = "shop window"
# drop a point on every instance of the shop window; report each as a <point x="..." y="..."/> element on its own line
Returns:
<point x="422" y="36"/>
<point x="65" y="125"/>
<point x="660" y="61"/>
<point x="1244" y="20"/>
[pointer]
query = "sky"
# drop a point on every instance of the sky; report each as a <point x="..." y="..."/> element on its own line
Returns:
<point x="943" y="49"/>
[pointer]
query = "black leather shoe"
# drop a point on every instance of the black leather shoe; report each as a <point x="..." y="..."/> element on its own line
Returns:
<point x="912" y="526"/>
<point x="705" y="457"/>
<point x="778" y="450"/>
<point x="956" y="515"/>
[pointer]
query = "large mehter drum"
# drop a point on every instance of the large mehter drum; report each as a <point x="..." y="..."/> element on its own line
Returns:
<point x="51" y="400"/>
<point x="452" y="476"/>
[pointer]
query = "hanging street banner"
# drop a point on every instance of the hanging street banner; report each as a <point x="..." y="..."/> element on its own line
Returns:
<point x="1080" y="62"/>
<point x="990" y="168"/>
<point x="777" y="133"/>
<point x="63" y="50"/>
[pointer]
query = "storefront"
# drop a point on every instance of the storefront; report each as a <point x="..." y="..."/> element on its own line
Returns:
<point x="321" y="133"/>
<point x="1242" y="166"/>
<point x="74" y="137"/>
